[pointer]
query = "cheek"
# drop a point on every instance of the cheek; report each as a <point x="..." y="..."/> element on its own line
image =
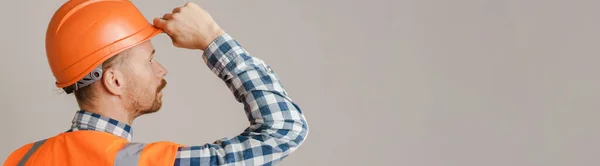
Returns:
<point x="148" y="79"/>
<point x="142" y="83"/>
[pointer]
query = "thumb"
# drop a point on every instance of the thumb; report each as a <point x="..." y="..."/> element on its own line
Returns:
<point x="174" y="41"/>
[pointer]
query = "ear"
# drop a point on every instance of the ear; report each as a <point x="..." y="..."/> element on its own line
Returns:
<point x="113" y="81"/>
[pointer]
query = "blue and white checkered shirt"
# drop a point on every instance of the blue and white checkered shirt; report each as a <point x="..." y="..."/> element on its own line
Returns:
<point x="277" y="126"/>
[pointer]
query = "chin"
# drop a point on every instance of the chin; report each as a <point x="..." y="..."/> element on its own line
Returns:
<point x="152" y="108"/>
<point x="148" y="111"/>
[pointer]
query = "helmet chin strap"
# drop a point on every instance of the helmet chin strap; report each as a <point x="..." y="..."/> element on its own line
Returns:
<point x="90" y="78"/>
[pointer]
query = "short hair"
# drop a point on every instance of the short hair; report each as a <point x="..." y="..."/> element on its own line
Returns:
<point x="85" y="94"/>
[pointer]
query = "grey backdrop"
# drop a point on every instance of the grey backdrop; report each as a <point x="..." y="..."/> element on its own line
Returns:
<point x="381" y="82"/>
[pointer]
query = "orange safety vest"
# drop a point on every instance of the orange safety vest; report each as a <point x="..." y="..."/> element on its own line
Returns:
<point x="92" y="148"/>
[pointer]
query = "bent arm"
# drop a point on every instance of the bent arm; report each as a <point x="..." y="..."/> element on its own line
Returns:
<point x="277" y="125"/>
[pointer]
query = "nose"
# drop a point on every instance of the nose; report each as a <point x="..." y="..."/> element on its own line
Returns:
<point x="162" y="71"/>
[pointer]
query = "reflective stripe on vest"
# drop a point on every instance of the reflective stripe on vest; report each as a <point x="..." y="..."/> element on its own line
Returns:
<point x="127" y="156"/>
<point x="30" y="152"/>
<point x="130" y="154"/>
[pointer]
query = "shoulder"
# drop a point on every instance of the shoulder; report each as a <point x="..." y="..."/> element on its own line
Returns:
<point x="17" y="154"/>
<point x="154" y="153"/>
<point x="151" y="146"/>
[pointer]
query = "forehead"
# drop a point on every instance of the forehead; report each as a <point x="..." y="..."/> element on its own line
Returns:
<point x="141" y="51"/>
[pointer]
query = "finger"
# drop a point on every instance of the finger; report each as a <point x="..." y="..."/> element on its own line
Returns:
<point x="175" y="43"/>
<point x="187" y="4"/>
<point x="167" y="16"/>
<point x="176" y="10"/>
<point x="160" y="23"/>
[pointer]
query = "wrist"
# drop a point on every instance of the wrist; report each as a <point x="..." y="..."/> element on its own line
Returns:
<point x="214" y="34"/>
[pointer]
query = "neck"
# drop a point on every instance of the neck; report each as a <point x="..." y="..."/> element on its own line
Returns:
<point x="110" y="108"/>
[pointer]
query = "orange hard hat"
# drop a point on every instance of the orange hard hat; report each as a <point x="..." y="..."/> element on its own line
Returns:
<point x="82" y="34"/>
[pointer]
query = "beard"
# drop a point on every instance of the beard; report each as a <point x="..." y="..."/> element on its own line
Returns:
<point x="145" y="101"/>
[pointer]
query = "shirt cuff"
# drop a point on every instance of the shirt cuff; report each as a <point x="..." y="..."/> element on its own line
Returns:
<point x="215" y="55"/>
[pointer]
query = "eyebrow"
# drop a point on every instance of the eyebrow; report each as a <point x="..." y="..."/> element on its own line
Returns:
<point x="152" y="55"/>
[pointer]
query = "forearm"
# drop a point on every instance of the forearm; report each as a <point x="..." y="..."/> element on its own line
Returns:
<point x="254" y="84"/>
<point x="277" y="126"/>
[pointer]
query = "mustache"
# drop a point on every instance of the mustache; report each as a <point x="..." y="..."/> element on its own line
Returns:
<point x="162" y="86"/>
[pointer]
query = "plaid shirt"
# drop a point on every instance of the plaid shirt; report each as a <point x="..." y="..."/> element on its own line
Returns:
<point x="277" y="126"/>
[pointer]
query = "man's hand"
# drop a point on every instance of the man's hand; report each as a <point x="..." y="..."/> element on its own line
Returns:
<point x="189" y="27"/>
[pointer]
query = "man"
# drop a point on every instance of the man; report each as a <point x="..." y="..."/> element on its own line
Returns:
<point x="106" y="60"/>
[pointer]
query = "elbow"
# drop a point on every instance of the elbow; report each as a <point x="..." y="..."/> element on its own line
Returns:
<point x="296" y="136"/>
<point x="302" y="129"/>
<point x="303" y="133"/>
<point x="292" y="137"/>
<point x="289" y="133"/>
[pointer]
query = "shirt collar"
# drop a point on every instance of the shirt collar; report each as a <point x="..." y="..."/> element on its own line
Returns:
<point x="85" y="120"/>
